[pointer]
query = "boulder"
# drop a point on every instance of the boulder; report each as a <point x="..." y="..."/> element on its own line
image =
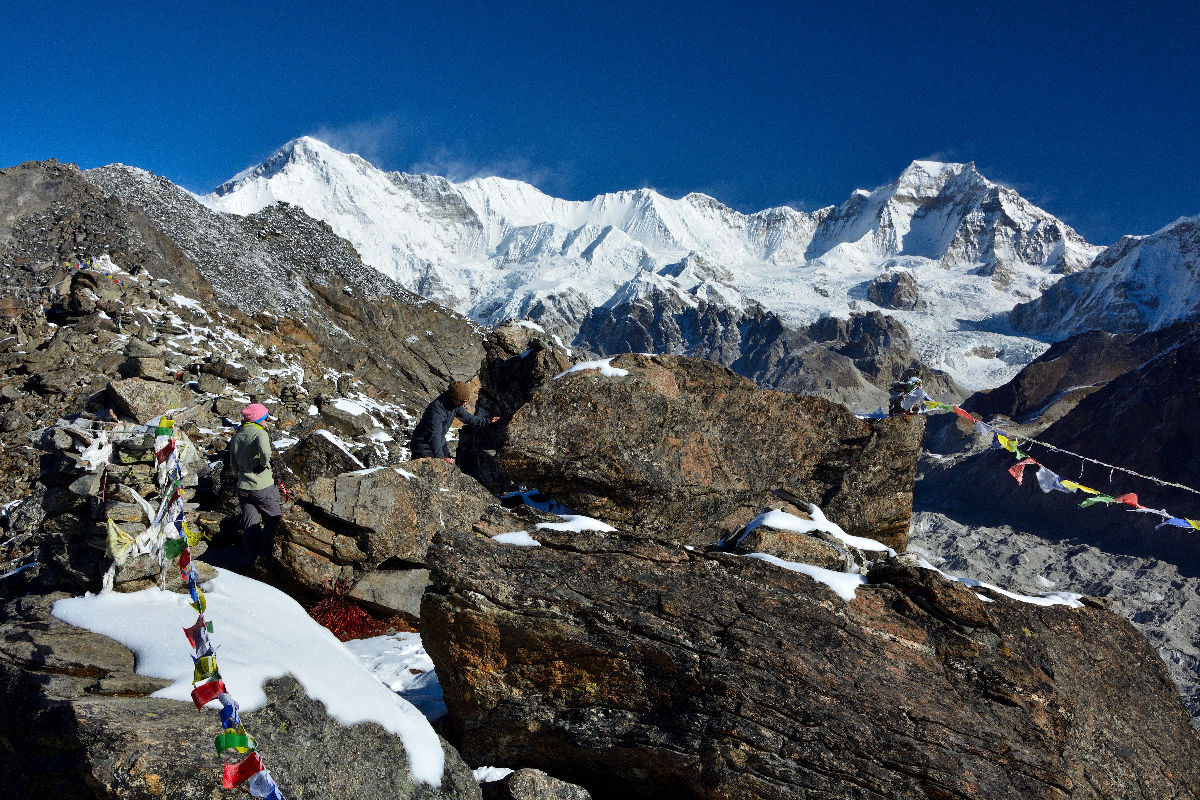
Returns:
<point x="640" y="670"/>
<point x="152" y="369"/>
<point x="316" y="456"/>
<point x="518" y="361"/>
<point x="684" y="449"/>
<point x="142" y="400"/>
<point x="532" y="784"/>
<point x="392" y="591"/>
<point x="344" y="527"/>
<point x="79" y="723"/>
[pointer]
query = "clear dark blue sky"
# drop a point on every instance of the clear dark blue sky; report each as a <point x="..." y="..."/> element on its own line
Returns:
<point x="1091" y="110"/>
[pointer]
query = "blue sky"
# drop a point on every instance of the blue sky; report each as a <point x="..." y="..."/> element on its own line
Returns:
<point x="1091" y="110"/>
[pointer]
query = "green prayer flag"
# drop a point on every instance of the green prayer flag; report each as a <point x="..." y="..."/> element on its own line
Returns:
<point x="1100" y="498"/>
<point x="174" y="547"/>
<point x="231" y="739"/>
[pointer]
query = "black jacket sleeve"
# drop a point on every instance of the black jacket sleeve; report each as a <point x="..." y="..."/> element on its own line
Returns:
<point x="474" y="420"/>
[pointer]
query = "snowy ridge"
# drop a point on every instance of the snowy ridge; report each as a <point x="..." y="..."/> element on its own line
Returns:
<point x="1140" y="283"/>
<point x="494" y="248"/>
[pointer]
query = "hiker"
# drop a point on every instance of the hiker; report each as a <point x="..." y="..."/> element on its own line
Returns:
<point x="429" y="437"/>
<point x="899" y="390"/>
<point x="250" y="454"/>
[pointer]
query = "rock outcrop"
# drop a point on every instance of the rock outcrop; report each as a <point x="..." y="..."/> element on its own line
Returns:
<point x="690" y="451"/>
<point x="78" y="723"/>
<point x="349" y="525"/>
<point x="638" y="670"/>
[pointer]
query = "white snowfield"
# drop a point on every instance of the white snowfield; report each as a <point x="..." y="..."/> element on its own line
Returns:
<point x="494" y="248"/>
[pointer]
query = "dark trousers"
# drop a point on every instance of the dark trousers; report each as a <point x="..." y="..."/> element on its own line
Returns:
<point x="260" y="516"/>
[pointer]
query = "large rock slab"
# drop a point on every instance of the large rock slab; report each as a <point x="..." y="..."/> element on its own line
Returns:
<point x="142" y="400"/>
<point x="78" y="723"/>
<point x="645" y="671"/>
<point x="686" y="450"/>
<point x="346" y="526"/>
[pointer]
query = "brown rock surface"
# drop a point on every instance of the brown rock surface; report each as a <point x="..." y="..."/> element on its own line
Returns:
<point x="346" y="526"/>
<point x="640" y="670"/>
<point x="688" y="451"/>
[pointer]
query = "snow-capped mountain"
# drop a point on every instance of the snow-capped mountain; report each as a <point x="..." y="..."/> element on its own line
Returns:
<point x="1141" y="283"/>
<point x="495" y="248"/>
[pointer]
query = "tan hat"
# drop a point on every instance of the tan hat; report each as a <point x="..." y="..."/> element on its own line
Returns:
<point x="459" y="392"/>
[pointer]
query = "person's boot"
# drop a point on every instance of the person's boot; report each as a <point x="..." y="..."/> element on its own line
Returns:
<point x="251" y="543"/>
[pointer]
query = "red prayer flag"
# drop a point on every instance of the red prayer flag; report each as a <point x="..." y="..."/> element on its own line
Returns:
<point x="1018" y="470"/>
<point x="185" y="558"/>
<point x="206" y="692"/>
<point x="165" y="453"/>
<point x="1129" y="500"/>
<point x="964" y="415"/>
<point x="242" y="771"/>
<point x="194" y="631"/>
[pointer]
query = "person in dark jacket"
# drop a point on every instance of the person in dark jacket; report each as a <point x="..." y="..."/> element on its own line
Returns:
<point x="429" y="437"/>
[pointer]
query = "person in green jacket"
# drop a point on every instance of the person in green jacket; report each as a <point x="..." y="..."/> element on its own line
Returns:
<point x="250" y="454"/>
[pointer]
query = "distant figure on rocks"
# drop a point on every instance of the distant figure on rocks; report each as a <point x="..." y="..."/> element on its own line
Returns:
<point x="250" y="454"/>
<point x="899" y="390"/>
<point x="429" y="437"/>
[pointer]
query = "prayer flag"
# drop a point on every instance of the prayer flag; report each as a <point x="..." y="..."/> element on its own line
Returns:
<point x="185" y="559"/>
<point x="1018" y="470"/>
<point x="983" y="429"/>
<point x="262" y="786"/>
<point x="1099" y="498"/>
<point x="206" y="692"/>
<point x="165" y="427"/>
<point x="1129" y="500"/>
<point x="173" y="548"/>
<point x="206" y="667"/>
<point x="234" y="739"/>
<point x="1049" y="482"/>
<point x="1078" y="487"/>
<point x="965" y="415"/>
<point x="193" y="633"/>
<point x="237" y="773"/>
<point x="913" y="398"/>
<point x="199" y="603"/>
<point x="119" y="543"/>
<point x="161" y="455"/>
<point x="229" y="712"/>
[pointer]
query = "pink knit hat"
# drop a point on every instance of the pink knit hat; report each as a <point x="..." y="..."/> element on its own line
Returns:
<point x="255" y="412"/>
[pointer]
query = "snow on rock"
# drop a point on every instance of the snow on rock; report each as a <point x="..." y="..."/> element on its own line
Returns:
<point x="518" y="538"/>
<point x="842" y="583"/>
<point x="399" y="662"/>
<point x="783" y="521"/>
<point x="256" y="629"/>
<point x="576" y="523"/>
<point x="603" y="366"/>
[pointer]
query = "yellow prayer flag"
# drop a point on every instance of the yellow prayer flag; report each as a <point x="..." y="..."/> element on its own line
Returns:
<point x="1079" y="487"/>
<point x="119" y="544"/>
<point x="1195" y="523"/>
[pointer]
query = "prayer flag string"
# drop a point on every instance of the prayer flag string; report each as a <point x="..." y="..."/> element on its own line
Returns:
<point x="169" y="537"/>
<point x="917" y="400"/>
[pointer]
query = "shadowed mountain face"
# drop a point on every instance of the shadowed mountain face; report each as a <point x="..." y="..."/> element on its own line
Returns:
<point x="1144" y="419"/>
